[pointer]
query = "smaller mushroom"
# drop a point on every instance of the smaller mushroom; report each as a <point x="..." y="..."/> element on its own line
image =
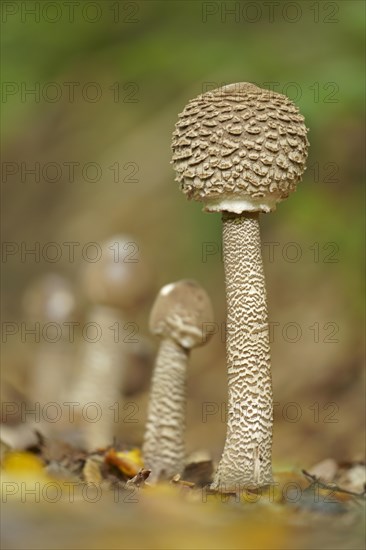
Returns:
<point x="115" y="286"/>
<point x="179" y="315"/>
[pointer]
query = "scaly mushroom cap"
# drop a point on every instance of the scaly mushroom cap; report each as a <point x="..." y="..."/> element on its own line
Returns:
<point x="120" y="277"/>
<point x="239" y="148"/>
<point x="180" y="312"/>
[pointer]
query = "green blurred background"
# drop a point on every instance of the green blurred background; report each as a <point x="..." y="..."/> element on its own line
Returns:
<point x="132" y="67"/>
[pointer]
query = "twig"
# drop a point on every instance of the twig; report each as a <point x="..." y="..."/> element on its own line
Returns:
<point x="331" y="487"/>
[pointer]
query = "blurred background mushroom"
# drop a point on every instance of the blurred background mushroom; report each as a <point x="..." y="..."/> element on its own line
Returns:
<point x="115" y="285"/>
<point x="50" y="307"/>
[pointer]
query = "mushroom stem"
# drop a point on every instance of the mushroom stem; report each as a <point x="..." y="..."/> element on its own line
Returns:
<point x="102" y="371"/>
<point x="163" y="447"/>
<point x="246" y="457"/>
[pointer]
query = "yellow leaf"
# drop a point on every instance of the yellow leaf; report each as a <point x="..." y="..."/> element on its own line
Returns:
<point x="23" y="464"/>
<point x="128" y="462"/>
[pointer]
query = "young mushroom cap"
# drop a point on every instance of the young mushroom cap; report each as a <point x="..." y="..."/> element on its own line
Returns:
<point x="239" y="148"/>
<point x="181" y="312"/>
<point x="120" y="278"/>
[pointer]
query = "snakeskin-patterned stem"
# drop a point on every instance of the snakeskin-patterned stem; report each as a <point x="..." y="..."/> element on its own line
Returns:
<point x="163" y="447"/>
<point x="246" y="459"/>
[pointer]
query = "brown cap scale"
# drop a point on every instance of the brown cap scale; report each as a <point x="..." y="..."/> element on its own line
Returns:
<point x="240" y="150"/>
<point x="114" y="284"/>
<point x="178" y="317"/>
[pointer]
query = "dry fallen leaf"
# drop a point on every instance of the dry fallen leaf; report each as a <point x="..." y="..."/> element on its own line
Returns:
<point x="325" y="470"/>
<point x="200" y="473"/>
<point x="92" y="472"/>
<point x="352" y="477"/>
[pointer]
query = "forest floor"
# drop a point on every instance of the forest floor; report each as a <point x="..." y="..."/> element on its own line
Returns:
<point x="57" y="497"/>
